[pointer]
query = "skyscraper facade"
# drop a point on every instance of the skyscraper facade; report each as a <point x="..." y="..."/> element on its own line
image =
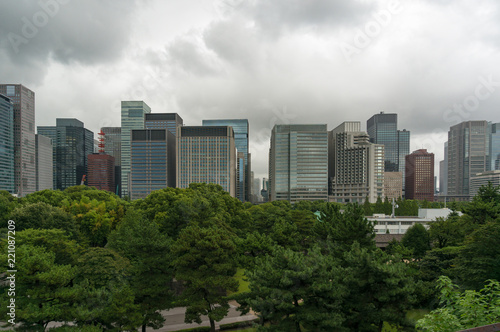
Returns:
<point x="419" y="182"/>
<point x="101" y="171"/>
<point x="152" y="161"/>
<point x="443" y="172"/>
<point x="468" y="154"/>
<point x="72" y="143"/>
<point x="241" y="139"/>
<point x="494" y="153"/>
<point x="298" y="163"/>
<point x="382" y="129"/>
<point x="482" y="179"/>
<point x="44" y="162"/>
<point x="356" y="166"/>
<point x="132" y="117"/>
<point x="23" y="100"/>
<point x="393" y="185"/>
<point x="7" y="144"/>
<point x="113" y="147"/>
<point x="169" y="121"/>
<point x="206" y="154"/>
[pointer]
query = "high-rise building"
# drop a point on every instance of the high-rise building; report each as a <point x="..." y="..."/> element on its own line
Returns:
<point x="44" y="148"/>
<point x="393" y="185"/>
<point x="152" y="161"/>
<point x="206" y="154"/>
<point x="443" y="173"/>
<point x="419" y="182"/>
<point x="24" y="137"/>
<point x="356" y="166"/>
<point x="113" y="147"/>
<point x="132" y="113"/>
<point x="494" y="153"/>
<point x="101" y="171"/>
<point x="298" y="163"/>
<point x="383" y="129"/>
<point x="468" y="154"/>
<point x="169" y="121"/>
<point x="72" y="143"/>
<point x="7" y="144"/>
<point x="481" y="179"/>
<point x="241" y="130"/>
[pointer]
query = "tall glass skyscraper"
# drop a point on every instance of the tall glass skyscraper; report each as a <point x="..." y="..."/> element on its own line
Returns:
<point x="494" y="153"/>
<point x="169" y="121"/>
<point x="72" y="143"/>
<point x="132" y="114"/>
<point x="241" y="130"/>
<point x="6" y="144"/>
<point x="383" y="129"/>
<point x="206" y="154"/>
<point x="298" y="163"/>
<point x="113" y="147"/>
<point x="24" y="137"/>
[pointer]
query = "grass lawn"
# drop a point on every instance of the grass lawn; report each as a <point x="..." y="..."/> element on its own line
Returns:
<point x="243" y="284"/>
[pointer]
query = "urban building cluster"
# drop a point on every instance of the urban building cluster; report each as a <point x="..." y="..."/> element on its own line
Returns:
<point x="151" y="151"/>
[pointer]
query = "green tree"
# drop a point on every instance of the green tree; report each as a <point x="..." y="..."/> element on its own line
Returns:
<point x="479" y="259"/>
<point x="485" y="206"/>
<point x="47" y="196"/>
<point x="380" y="289"/>
<point x="43" y="216"/>
<point x="293" y="290"/>
<point x="7" y="204"/>
<point x="205" y="263"/>
<point x="463" y="310"/>
<point x="379" y="206"/>
<point x="417" y="239"/>
<point x="148" y="250"/>
<point x="367" y="207"/>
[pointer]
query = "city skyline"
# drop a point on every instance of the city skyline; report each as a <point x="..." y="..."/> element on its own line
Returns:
<point x="273" y="63"/>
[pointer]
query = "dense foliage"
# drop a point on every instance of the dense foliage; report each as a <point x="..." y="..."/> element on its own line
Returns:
<point x="93" y="261"/>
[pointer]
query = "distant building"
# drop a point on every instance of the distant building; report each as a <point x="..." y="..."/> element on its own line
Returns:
<point x="206" y="154"/>
<point x="443" y="172"/>
<point x="420" y="175"/>
<point x="44" y="162"/>
<point x="169" y="121"/>
<point x="101" y="172"/>
<point x="153" y="161"/>
<point x="298" y="163"/>
<point x="7" y="144"/>
<point x="356" y="166"/>
<point x="241" y="140"/>
<point x="481" y="179"/>
<point x="132" y="117"/>
<point x="494" y="146"/>
<point x="468" y="154"/>
<point x="23" y="100"/>
<point x="113" y="147"/>
<point x="393" y="185"/>
<point x="264" y="192"/>
<point x="72" y="143"/>
<point x="382" y="129"/>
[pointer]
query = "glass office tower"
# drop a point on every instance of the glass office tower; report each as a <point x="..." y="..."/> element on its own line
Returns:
<point x="132" y="114"/>
<point x="6" y="144"/>
<point x="298" y="163"/>
<point x="241" y="130"/>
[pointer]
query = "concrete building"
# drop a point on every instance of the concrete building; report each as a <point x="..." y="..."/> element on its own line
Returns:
<point x="153" y="161"/>
<point x="169" y="121"/>
<point x="298" y="163"/>
<point x="443" y="173"/>
<point x="132" y="117"/>
<point x="7" y="144"/>
<point x="72" y="143"/>
<point x="113" y="147"/>
<point x="206" y="154"/>
<point x="44" y="148"/>
<point x="494" y="145"/>
<point x="23" y="100"/>
<point x="101" y="171"/>
<point x="356" y="166"/>
<point x="468" y="154"/>
<point x="393" y="185"/>
<point x="481" y="179"/>
<point x="241" y="140"/>
<point x="382" y="129"/>
<point x="419" y="182"/>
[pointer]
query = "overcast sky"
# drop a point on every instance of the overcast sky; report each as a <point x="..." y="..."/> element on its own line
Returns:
<point x="435" y="63"/>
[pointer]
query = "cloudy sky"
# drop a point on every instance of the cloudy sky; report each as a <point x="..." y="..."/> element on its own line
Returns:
<point x="435" y="63"/>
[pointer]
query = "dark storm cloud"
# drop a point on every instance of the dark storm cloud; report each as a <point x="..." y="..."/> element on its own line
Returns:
<point x="87" y="32"/>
